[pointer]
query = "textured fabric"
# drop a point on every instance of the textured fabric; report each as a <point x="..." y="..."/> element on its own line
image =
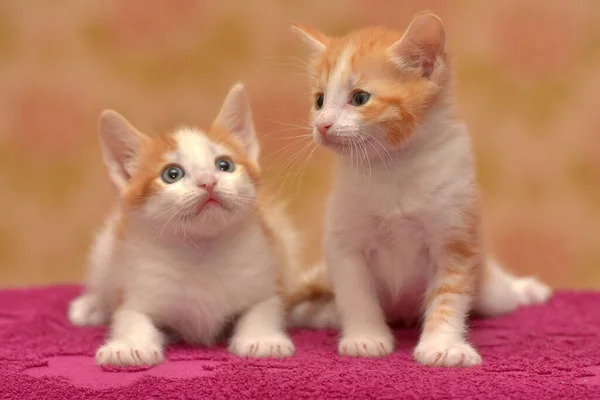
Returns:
<point x="550" y="351"/>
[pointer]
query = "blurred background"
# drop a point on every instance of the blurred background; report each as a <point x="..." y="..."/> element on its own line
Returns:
<point x="527" y="83"/>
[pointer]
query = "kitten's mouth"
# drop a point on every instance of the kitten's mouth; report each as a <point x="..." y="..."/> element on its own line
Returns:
<point x="211" y="202"/>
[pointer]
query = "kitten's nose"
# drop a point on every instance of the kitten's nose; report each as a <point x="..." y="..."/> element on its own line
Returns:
<point x="323" y="128"/>
<point x="206" y="182"/>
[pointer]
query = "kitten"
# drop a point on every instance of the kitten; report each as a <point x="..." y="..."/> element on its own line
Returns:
<point x="194" y="242"/>
<point x="403" y="230"/>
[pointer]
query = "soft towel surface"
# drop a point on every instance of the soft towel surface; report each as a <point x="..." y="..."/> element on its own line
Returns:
<point x="550" y="351"/>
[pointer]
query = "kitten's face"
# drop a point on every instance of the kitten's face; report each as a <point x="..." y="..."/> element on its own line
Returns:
<point x="192" y="182"/>
<point x="372" y="87"/>
<point x="189" y="182"/>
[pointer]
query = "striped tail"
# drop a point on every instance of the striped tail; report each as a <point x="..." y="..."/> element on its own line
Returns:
<point x="312" y="304"/>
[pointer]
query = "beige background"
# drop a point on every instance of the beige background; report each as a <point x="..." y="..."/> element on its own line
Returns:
<point x="527" y="81"/>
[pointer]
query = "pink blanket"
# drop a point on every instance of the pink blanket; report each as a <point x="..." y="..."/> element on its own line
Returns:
<point x="550" y="351"/>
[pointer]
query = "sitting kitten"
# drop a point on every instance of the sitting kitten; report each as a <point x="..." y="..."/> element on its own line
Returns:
<point x="193" y="244"/>
<point x="403" y="229"/>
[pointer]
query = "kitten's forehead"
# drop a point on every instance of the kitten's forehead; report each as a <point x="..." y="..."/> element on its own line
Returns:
<point x="193" y="144"/>
<point x="349" y="58"/>
<point x="340" y="73"/>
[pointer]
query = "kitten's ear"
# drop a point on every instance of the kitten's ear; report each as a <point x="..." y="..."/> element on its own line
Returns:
<point x="422" y="44"/>
<point x="317" y="41"/>
<point x="236" y="117"/>
<point x="120" y="143"/>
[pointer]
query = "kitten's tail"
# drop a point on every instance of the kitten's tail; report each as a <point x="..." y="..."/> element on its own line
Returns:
<point x="312" y="304"/>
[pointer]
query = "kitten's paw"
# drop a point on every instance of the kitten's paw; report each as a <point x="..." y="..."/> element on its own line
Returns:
<point x="531" y="291"/>
<point x="441" y="352"/>
<point x="277" y="346"/>
<point x="367" y="345"/>
<point x="86" y="310"/>
<point x="125" y="354"/>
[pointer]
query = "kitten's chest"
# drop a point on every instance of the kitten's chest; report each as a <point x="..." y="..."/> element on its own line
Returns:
<point x="397" y="249"/>
<point x="398" y="257"/>
<point x="398" y="242"/>
<point x="197" y="296"/>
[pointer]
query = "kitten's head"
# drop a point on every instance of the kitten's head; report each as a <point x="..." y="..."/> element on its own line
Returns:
<point x="374" y="86"/>
<point x="188" y="182"/>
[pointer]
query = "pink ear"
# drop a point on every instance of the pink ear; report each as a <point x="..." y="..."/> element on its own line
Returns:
<point x="236" y="117"/>
<point x="120" y="143"/>
<point x="423" y="42"/>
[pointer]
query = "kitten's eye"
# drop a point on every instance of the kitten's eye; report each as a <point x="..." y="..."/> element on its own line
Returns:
<point x="225" y="164"/>
<point x="319" y="100"/>
<point x="360" y="98"/>
<point x="172" y="174"/>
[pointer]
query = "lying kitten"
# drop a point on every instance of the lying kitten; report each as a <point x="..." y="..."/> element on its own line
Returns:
<point x="193" y="244"/>
<point x="403" y="229"/>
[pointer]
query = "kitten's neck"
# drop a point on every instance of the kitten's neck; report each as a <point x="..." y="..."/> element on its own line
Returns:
<point x="438" y="124"/>
<point x="186" y="238"/>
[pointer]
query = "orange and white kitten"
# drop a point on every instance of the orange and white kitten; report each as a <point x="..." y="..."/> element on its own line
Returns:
<point x="193" y="245"/>
<point x="403" y="236"/>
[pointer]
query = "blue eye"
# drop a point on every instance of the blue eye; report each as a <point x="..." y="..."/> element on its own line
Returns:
<point x="225" y="164"/>
<point x="360" y="97"/>
<point x="172" y="174"/>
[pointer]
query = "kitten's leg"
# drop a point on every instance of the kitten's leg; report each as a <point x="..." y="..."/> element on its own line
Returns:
<point x="134" y="340"/>
<point x="447" y="304"/>
<point x="501" y="293"/>
<point x="365" y="332"/>
<point x="98" y="301"/>
<point x="88" y="309"/>
<point x="260" y="332"/>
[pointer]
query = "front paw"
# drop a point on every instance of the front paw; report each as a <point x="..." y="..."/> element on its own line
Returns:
<point x="443" y="352"/>
<point x="86" y="310"/>
<point x="125" y="354"/>
<point x="277" y="346"/>
<point x="531" y="291"/>
<point x="366" y="345"/>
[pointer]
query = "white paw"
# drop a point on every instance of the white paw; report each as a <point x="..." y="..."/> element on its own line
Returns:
<point x="277" y="346"/>
<point x="87" y="310"/>
<point x="125" y="354"/>
<point x="367" y="345"/>
<point x="531" y="291"/>
<point x="443" y="352"/>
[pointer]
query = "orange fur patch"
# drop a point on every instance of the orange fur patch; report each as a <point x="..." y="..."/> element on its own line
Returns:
<point x="459" y="277"/>
<point x="151" y="161"/>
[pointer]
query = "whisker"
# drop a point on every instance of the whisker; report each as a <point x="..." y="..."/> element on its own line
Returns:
<point x="291" y="162"/>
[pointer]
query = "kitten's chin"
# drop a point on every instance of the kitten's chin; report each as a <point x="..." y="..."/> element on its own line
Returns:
<point x="213" y="221"/>
<point x="339" y="149"/>
<point x="342" y="147"/>
<point x="207" y="206"/>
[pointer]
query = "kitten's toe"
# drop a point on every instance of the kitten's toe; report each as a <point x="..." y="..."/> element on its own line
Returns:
<point x="442" y="352"/>
<point x="87" y="310"/>
<point x="366" y="345"/>
<point x="531" y="291"/>
<point x="276" y="346"/>
<point x="125" y="354"/>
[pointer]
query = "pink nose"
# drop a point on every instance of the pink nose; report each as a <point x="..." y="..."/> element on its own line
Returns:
<point x="207" y="182"/>
<point x="323" y="128"/>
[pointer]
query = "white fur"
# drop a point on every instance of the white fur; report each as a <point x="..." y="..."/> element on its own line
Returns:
<point x="191" y="274"/>
<point x="389" y="215"/>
